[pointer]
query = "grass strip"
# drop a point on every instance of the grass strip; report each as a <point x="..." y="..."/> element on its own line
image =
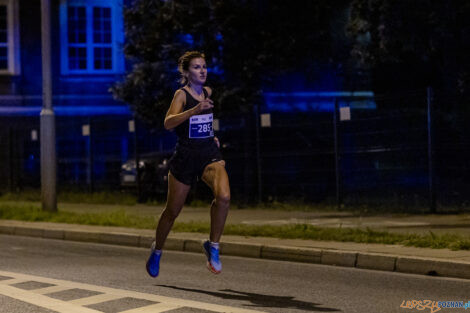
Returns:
<point x="310" y="232"/>
<point x="74" y="197"/>
<point x="293" y="231"/>
<point x="363" y="206"/>
<point x="33" y="213"/>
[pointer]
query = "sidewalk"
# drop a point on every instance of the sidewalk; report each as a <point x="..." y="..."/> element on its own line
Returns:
<point x="394" y="258"/>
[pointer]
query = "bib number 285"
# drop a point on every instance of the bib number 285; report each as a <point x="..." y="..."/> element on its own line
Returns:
<point x="204" y="128"/>
<point x="200" y="126"/>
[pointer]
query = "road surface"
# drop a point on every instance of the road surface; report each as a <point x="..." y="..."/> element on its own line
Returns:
<point x="44" y="275"/>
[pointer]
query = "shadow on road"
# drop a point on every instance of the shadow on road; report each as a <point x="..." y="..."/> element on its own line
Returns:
<point x="260" y="300"/>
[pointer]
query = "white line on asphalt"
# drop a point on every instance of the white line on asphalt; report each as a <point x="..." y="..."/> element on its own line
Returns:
<point x="96" y="299"/>
<point x="13" y="281"/>
<point x="51" y="289"/>
<point x="43" y="301"/>
<point x="154" y="308"/>
<point x="118" y="293"/>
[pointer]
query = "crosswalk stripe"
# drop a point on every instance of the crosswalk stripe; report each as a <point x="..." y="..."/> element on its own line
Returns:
<point x="13" y="281"/>
<point x="154" y="308"/>
<point x="43" y="301"/>
<point x="116" y="293"/>
<point x="95" y="299"/>
<point x="51" y="289"/>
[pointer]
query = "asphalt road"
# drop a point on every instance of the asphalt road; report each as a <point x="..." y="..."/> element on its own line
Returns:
<point x="76" y="272"/>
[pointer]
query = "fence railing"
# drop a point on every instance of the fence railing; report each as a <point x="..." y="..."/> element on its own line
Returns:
<point x="401" y="151"/>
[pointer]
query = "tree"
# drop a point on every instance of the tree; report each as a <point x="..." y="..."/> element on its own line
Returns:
<point x="249" y="46"/>
<point x="157" y="32"/>
<point x="248" y="43"/>
<point x="413" y="44"/>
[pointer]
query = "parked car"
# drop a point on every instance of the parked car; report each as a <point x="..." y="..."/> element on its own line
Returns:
<point x="153" y="173"/>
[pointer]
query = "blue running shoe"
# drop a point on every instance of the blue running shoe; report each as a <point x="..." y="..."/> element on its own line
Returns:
<point x="153" y="263"/>
<point x="213" y="263"/>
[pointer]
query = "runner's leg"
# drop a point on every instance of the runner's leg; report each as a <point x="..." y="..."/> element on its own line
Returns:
<point x="215" y="176"/>
<point x="177" y="193"/>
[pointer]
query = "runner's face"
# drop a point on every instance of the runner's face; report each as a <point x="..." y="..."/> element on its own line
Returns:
<point x="197" y="73"/>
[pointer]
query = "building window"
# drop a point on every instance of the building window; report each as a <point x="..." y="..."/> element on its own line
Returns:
<point x="9" y="38"/>
<point x="92" y="37"/>
<point x="77" y="38"/>
<point x="102" y="44"/>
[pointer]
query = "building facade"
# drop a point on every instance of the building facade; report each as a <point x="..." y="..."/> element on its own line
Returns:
<point x="87" y="38"/>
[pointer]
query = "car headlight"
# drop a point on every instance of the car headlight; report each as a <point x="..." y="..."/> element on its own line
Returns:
<point x="128" y="166"/>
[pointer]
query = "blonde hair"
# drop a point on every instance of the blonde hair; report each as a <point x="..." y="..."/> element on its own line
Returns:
<point x="183" y="63"/>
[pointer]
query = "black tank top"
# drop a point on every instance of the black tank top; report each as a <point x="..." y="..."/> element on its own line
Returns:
<point x="195" y="132"/>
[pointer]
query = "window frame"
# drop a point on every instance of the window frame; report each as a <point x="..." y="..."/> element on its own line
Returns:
<point x="117" y="36"/>
<point x="13" y="41"/>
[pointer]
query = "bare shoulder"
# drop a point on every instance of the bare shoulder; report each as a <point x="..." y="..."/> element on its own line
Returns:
<point x="209" y="90"/>
<point x="180" y="95"/>
<point x="178" y="102"/>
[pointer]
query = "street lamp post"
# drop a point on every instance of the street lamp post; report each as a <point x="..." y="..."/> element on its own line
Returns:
<point x="47" y="119"/>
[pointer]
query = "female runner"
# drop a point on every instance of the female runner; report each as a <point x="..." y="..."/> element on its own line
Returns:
<point x="196" y="156"/>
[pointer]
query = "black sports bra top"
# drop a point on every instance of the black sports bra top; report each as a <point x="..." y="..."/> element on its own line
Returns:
<point x="197" y="131"/>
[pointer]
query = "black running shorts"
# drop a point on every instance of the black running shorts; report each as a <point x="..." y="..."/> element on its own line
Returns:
<point x="187" y="164"/>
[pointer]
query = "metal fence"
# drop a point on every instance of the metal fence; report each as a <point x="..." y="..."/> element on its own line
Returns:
<point x="406" y="151"/>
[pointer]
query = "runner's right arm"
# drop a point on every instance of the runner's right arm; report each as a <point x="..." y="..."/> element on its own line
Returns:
<point x="176" y="115"/>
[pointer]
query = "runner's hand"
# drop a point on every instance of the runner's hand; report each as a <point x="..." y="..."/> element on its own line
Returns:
<point x="203" y="105"/>
<point x="217" y="142"/>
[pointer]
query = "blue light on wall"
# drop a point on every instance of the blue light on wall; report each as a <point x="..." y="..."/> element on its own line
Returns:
<point x="322" y="101"/>
<point x="67" y="110"/>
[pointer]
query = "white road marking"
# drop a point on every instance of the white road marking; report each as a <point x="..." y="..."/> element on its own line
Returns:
<point x="13" y="281"/>
<point x="76" y="306"/>
<point x="95" y="299"/>
<point x="154" y="308"/>
<point x="43" y="301"/>
<point x="51" y="289"/>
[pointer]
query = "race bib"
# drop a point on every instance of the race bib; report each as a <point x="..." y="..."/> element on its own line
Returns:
<point x="200" y="126"/>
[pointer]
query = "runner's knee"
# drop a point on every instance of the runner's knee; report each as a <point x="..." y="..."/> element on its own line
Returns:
<point x="171" y="214"/>
<point x="223" y="198"/>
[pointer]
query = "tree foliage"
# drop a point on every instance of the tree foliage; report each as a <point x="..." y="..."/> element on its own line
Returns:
<point x="413" y="44"/>
<point x="156" y="35"/>
<point x="247" y="43"/>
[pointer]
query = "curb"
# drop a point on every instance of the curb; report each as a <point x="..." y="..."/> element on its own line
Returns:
<point x="343" y="258"/>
